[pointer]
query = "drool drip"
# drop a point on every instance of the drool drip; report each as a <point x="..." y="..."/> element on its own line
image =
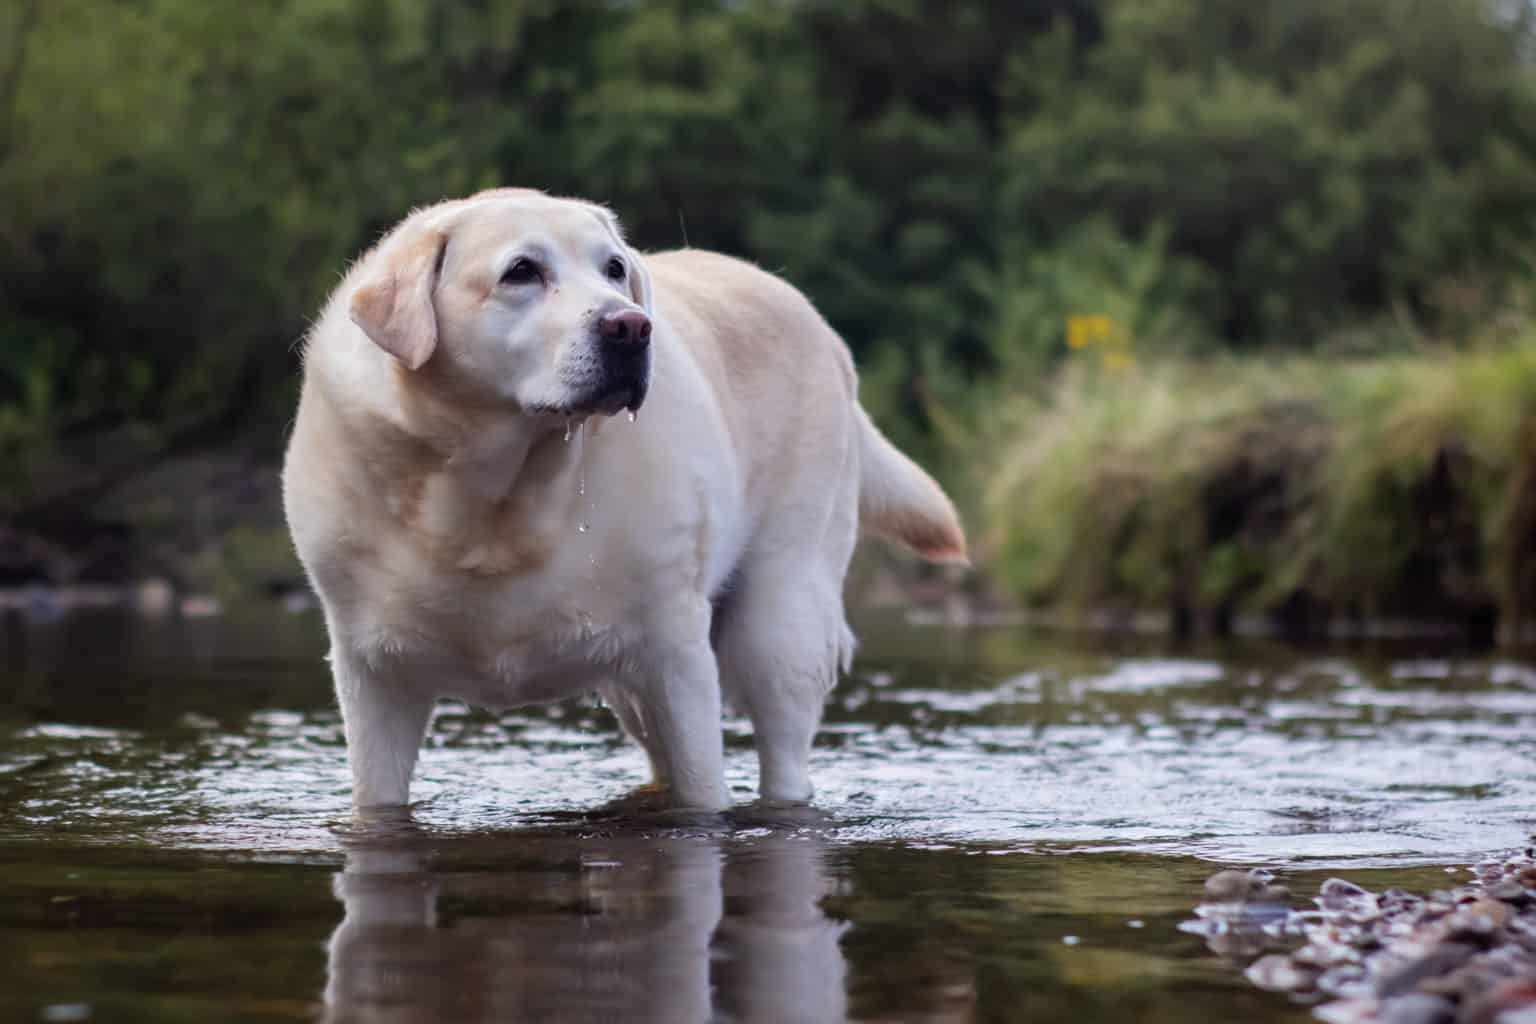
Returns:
<point x="581" y="476"/>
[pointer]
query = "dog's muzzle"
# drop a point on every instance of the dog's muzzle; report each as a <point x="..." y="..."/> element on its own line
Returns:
<point x="624" y="360"/>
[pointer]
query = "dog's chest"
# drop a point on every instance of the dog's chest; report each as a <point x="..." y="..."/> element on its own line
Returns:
<point x="502" y="640"/>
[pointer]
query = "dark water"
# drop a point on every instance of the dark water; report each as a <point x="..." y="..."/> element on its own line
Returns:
<point x="1014" y="826"/>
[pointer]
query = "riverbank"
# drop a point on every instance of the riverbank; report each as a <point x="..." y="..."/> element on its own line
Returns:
<point x="1313" y="493"/>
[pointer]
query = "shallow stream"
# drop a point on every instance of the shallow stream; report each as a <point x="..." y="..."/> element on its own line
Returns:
<point x="1011" y="826"/>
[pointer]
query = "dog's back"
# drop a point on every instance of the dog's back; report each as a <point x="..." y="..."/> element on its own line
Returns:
<point x="790" y="394"/>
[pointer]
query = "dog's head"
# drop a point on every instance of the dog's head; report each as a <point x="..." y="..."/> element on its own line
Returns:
<point x="512" y="296"/>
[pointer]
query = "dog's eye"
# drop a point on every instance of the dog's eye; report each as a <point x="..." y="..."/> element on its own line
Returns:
<point x="521" y="271"/>
<point x="615" y="269"/>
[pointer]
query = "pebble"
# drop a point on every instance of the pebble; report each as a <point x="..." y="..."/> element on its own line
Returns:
<point x="1244" y="887"/>
<point x="1461" y="956"/>
<point x="1408" y="977"/>
<point x="1417" y="1009"/>
<point x="1227" y="887"/>
<point x="1506" y="1002"/>
<point x="1280" y="974"/>
<point x="1347" y="1011"/>
<point x="1510" y="890"/>
<point x="1481" y="918"/>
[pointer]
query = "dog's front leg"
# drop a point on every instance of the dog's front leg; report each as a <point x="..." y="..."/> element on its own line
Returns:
<point x="681" y="694"/>
<point x="384" y="724"/>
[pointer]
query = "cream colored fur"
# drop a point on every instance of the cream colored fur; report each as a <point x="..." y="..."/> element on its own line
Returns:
<point x="478" y="525"/>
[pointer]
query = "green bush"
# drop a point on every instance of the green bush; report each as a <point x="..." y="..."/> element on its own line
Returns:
<point x="1396" y="486"/>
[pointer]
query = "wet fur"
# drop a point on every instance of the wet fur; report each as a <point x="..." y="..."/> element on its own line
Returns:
<point x="463" y="547"/>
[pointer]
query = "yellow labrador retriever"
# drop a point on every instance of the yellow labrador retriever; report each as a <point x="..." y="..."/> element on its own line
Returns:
<point x="480" y="521"/>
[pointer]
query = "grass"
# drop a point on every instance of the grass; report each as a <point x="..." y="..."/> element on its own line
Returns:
<point x="1306" y="489"/>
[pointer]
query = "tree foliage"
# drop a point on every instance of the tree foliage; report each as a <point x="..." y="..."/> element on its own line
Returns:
<point x="949" y="181"/>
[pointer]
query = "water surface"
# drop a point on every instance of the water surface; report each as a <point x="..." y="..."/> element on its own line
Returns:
<point x="1011" y="828"/>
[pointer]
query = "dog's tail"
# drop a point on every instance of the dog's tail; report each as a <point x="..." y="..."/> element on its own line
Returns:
<point x="899" y="501"/>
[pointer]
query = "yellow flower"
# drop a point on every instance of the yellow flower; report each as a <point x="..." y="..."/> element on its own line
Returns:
<point x="1085" y="329"/>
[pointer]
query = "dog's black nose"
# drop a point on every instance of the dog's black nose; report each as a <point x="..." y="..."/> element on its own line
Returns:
<point x="628" y="329"/>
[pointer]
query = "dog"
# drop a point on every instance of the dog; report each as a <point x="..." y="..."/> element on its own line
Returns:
<point x="531" y="463"/>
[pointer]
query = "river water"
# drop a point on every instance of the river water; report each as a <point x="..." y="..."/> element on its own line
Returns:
<point x="1010" y="826"/>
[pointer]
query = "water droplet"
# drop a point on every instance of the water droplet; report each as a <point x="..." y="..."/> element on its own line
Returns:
<point x="567" y="431"/>
<point x="631" y="415"/>
<point x="582" y="527"/>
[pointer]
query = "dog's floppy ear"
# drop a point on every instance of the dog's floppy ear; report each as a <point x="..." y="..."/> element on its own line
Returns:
<point x="394" y="306"/>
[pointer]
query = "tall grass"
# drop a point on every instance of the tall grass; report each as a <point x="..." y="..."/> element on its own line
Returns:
<point x="1308" y="489"/>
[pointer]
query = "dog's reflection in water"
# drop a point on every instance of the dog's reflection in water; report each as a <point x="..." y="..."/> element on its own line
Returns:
<point x="667" y="927"/>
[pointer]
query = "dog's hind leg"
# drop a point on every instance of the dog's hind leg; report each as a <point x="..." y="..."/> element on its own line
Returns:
<point x="781" y="643"/>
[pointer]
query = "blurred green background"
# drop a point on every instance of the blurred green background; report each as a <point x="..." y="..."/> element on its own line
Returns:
<point x="1207" y="307"/>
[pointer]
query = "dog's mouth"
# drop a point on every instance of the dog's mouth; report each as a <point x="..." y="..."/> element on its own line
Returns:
<point x="628" y="395"/>
<point x="613" y="397"/>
